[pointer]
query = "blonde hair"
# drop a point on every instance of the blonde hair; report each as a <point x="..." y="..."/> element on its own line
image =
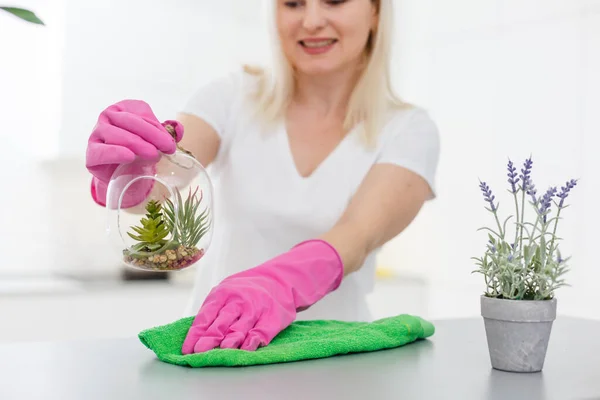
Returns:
<point x="371" y="97"/>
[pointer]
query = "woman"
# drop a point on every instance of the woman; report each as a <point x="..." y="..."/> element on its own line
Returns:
<point x="316" y="164"/>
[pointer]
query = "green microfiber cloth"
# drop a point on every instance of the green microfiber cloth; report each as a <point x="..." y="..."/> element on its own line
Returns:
<point x="302" y="340"/>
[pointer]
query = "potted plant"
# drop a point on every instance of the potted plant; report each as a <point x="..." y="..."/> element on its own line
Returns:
<point x="522" y="268"/>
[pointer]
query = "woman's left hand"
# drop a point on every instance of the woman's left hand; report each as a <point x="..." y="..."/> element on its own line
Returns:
<point x="247" y="310"/>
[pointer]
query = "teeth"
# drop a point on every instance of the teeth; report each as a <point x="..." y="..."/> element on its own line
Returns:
<point x="321" y="43"/>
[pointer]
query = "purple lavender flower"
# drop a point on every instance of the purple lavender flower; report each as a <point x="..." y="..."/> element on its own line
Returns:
<point x="531" y="191"/>
<point x="526" y="174"/>
<point x="546" y="201"/>
<point x="487" y="194"/>
<point x="564" y="191"/>
<point x="512" y="177"/>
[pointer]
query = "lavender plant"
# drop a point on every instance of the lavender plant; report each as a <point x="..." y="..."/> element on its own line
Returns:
<point x="525" y="264"/>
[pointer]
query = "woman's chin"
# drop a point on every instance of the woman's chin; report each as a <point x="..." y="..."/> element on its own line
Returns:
<point x="317" y="70"/>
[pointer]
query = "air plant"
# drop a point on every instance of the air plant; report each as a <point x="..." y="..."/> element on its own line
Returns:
<point x="190" y="226"/>
<point x="528" y="264"/>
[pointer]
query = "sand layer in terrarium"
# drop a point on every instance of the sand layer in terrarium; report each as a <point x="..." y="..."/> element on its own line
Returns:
<point x="170" y="259"/>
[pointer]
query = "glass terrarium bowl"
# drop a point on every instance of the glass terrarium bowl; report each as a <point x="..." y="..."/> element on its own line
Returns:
<point x="160" y="214"/>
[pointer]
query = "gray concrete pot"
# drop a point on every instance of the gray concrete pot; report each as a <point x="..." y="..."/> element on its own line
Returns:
<point x="518" y="332"/>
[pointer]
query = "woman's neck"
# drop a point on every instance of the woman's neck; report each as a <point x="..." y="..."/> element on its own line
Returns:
<point x="327" y="95"/>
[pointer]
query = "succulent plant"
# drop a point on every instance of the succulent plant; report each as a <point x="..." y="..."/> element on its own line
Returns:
<point x="153" y="230"/>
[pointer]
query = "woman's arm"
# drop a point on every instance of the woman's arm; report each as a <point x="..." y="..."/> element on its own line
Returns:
<point x="248" y="309"/>
<point x="199" y="138"/>
<point x="387" y="201"/>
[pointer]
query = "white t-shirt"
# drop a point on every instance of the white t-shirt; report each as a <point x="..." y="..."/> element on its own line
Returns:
<point x="263" y="207"/>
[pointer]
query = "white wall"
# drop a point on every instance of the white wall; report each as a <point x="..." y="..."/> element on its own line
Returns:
<point x="30" y="106"/>
<point x="502" y="78"/>
<point x="30" y="81"/>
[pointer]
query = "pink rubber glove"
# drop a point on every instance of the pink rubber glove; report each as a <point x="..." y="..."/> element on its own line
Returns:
<point x="248" y="309"/>
<point x="126" y="131"/>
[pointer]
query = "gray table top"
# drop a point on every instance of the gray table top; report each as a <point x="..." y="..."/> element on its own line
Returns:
<point x="452" y="364"/>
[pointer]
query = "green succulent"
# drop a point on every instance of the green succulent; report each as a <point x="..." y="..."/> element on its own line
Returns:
<point x="159" y="222"/>
<point x="153" y="230"/>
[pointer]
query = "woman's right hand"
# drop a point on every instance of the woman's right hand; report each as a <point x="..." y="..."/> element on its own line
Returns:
<point x="125" y="131"/>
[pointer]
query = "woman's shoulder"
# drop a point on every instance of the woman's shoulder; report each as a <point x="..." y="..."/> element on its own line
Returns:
<point x="411" y="139"/>
<point x="402" y="114"/>
<point x="410" y="121"/>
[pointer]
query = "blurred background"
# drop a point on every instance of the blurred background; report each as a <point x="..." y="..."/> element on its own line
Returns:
<point x="502" y="78"/>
